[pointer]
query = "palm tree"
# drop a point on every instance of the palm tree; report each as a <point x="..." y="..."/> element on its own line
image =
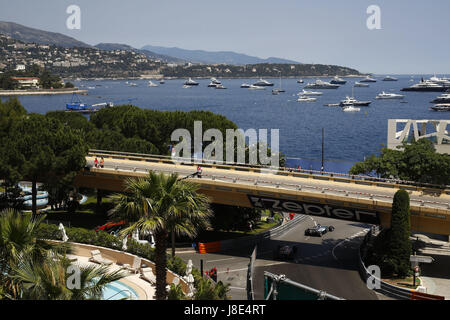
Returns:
<point x="49" y="281"/>
<point x="162" y="204"/>
<point x="31" y="268"/>
<point x="18" y="233"/>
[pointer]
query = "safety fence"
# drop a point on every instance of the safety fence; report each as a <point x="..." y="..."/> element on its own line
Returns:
<point x="385" y="288"/>
<point x="312" y="174"/>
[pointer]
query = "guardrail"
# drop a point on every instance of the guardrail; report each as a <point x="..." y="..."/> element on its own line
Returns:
<point x="311" y="174"/>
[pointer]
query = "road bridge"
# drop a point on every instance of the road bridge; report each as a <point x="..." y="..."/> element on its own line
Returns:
<point x="360" y="199"/>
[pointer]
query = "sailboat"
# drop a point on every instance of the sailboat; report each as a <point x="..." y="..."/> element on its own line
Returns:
<point x="278" y="90"/>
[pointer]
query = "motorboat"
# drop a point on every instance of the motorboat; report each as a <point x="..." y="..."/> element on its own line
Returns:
<point x="384" y="95"/>
<point x="354" y="102"/>
<point x="441" y="107"/>
<point x="427" y="85"/>
<point x="254" y="87"/>
<point x="214" y="82"/>
<point x="191" y="82"/>
<point x="368" y="79"/>
<point x="185" y="86"/>
<point x="360" y="84"/>
<point x="389" y="78"/>
<point x="444" y="98"/>
<point x="337" y="80"/>
<point x="306" y="99"/>
<point x="319" y="84"/>
<point x="442" y="81"/>
<point x="132" y="84"/>
<point x="162" y="81"/>
<point x="300" y="81"/>
<point x="245" y="85"/>
<point x="151" y="84"/>
<point x="309" y="93"/>
<point x="220" y="86"/>
<point x="277" y="91"/>
<point x="350" y="108"/>
<point x="263" y="83"/>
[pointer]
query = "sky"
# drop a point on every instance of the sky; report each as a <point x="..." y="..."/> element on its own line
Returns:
<point x="412" y="38"/>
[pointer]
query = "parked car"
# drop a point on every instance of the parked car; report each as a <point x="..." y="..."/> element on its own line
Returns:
<point x="318" y="230"/>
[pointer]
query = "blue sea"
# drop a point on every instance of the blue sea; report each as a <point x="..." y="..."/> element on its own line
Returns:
<point x="349" y="136"/>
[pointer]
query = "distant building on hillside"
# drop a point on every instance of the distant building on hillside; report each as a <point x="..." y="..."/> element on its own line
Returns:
<point x="27" y="82"/>
<point x="20" y="67"/>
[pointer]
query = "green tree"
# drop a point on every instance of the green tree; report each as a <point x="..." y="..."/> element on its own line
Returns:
<point x="418" y="161"/>
<point x="46" y="150"/>
<point x="162" y="204"/>
<point x="400" y="231"/>
<point x="391" y="249"/>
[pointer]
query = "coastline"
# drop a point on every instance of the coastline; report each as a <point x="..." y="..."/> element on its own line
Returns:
<point x="40" y="92"/>
<point x="159" y="77"/>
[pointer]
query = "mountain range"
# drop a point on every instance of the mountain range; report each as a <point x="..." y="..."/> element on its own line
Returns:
<point x="169" y="55"/>
<point x="26" y="34"/>
<point x="214" y="57"/>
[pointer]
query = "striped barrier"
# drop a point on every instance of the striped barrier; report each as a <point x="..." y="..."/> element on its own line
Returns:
<point x="209" y="247"/>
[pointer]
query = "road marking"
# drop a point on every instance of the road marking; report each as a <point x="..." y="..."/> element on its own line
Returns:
<point x="238" y="288"/>
<point x="346" y="240"/>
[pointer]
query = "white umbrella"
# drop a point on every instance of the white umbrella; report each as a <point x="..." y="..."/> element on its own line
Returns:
<point x="63" y="231"/>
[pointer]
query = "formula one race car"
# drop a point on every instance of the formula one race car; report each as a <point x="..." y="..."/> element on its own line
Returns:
<point x="318" y="230"/>
<point x="285" y="252"/>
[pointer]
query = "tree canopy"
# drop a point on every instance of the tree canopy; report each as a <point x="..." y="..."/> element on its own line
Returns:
<point x="417" y="162"/>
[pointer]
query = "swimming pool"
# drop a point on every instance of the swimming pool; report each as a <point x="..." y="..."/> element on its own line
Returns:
<point x="118" y="290"/>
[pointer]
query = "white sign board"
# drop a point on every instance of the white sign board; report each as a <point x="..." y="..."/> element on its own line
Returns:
<point x="421" y="259"/>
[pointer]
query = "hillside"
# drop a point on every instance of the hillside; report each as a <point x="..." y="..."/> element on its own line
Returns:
<point x="149" y="54"/>
<point x="26" y="34"/>
<point x="214" y="57"/>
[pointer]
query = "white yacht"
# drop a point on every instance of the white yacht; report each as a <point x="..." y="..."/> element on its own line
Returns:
<point x="162" y="81"/>
<point x="300" y="81"/>
<point x="220" y="86"/>
<point x="309" y="93"/>
<point x="306" y="99"/>
<point x="253" y="87"/>
<point x="443" y="98"/>
<point x="441" y="107"/>
<point x="351" y="101"/>
<point x="319" y="84"/>
<point x="190" y="82"/>
<point x="384" y="95"/>
<point x="337" y="80"/>
<point x="360" y="84"/>
<point x="151" y="84"/>
<point x="263" y="83"/>
<point x="245" y="85"/>
<point x="350" y="108"/>
<point x="389" y="78"/>
<point x="214" y="82"/>
<point x="368" y="79"/>
<point x="427" y="85"/>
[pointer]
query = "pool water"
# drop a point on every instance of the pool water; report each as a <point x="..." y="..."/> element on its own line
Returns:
<point x="118" y="290"/>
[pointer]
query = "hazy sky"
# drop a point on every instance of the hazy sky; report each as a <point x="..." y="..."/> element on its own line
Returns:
<point x="413" y="37"/>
